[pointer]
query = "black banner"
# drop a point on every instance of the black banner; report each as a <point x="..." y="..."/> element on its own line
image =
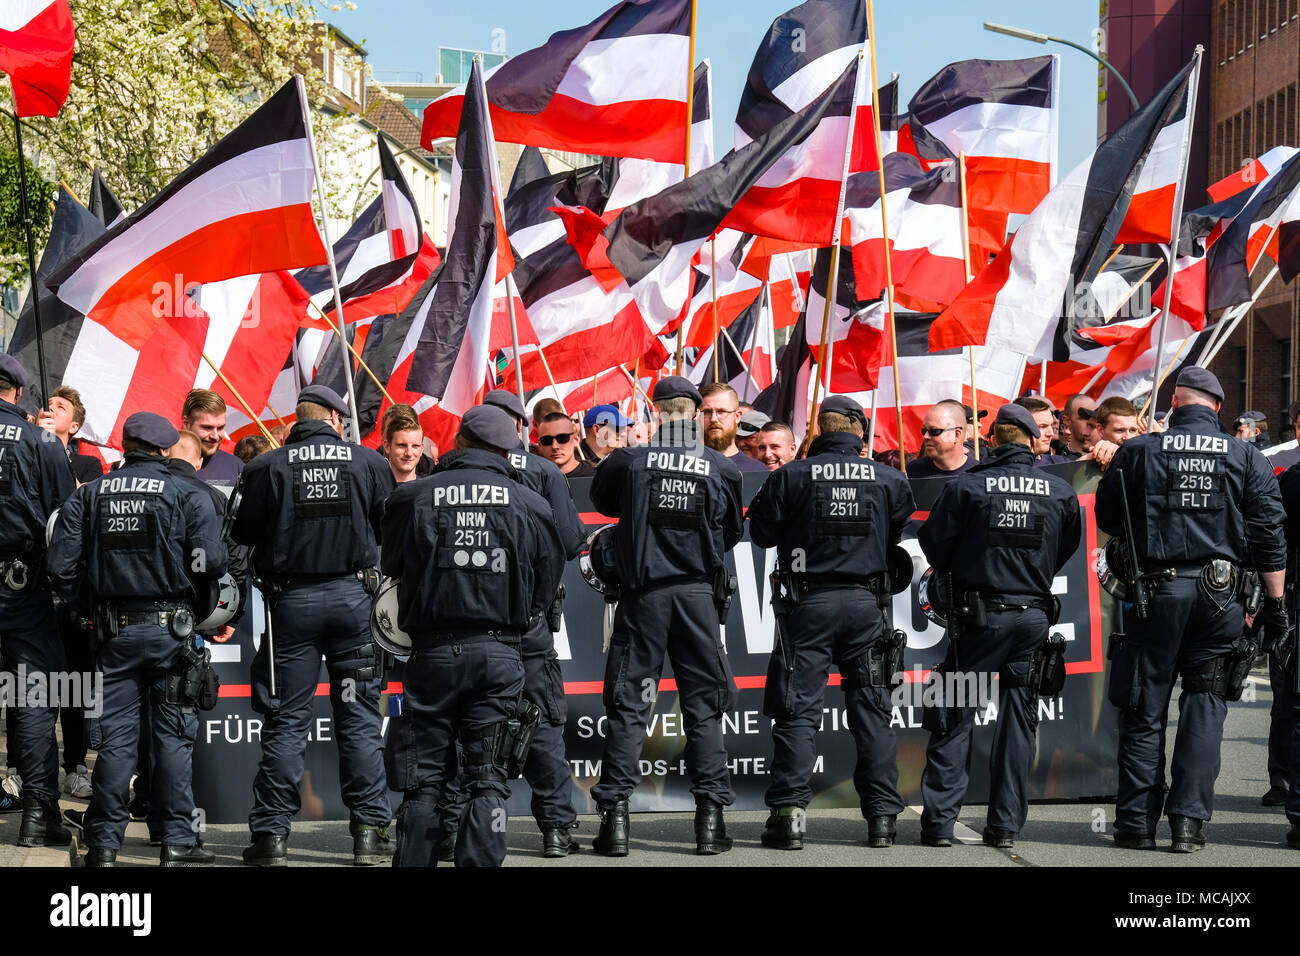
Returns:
<point x="1076" y="737"/>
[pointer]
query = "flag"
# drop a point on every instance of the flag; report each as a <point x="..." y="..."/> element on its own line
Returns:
<point x="36" y="41"/>
<point x="1252" y="173"/>
<point x="1151" y="212"/>
<point x="450" y="362"/>
<point x="758" y="188"/>
<point x="1017" y="301"/>
<point x="804" y="54"/>
<point x="614" y="87"/>
<point x="744" y="352"/>
<point x="244" y="208"/>
<point x="104" y="206"/>
<point x="71" y="228"/>
<point x="1003" y="115"/>
<point x="531" y="217"/>
<point x="1231" y="259"/>
<point x="376" y="258"/>
<point x="786" y="399"/>
<point x="924" y="211"/>
<point x="856" y="332"/>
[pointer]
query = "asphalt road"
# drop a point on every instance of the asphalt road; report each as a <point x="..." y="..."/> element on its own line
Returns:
<point x="1242" y="834"/>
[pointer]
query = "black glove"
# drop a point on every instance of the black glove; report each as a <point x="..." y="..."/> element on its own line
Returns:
<point x="1276" y="627"/>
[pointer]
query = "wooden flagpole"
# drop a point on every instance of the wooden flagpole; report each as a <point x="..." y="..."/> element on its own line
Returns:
<point x="713" y="285"/>
<point x="884" y="225"/>
<point x="361" y="363"/>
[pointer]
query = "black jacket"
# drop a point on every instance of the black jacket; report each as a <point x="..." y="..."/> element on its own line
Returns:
<point x="35" y="479"/>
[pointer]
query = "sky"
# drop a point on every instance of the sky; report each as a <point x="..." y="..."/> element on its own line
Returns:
<point x="914" y="39"/>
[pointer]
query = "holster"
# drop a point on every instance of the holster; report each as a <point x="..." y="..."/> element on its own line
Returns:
<point x="514" y="736"/>
<point x="1225" y="676"/>
<point x="1047" y="671"/>
<point x="555" y="611"/>
<point x="105" y="623"/>
<point x="881" y="665"/>
<point x="371" y="580"/>
<point x="944" y="718"/>
<point x="191" y="682"/>
<point x="724" y="586"/>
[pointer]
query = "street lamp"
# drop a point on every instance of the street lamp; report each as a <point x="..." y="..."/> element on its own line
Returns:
<point x="1043" y="38"/>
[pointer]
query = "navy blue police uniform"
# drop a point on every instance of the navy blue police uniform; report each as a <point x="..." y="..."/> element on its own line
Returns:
<point x="1003" y="530"/>
<point x="35" y="479"/>
<point x="547" y="769"/>
<point x="479" y="559"/>
<point x="140" y="545"/>
<point x="311" y="510"/>
<point x="1196" y="496"/>
<point x="679" y="505"/>
<point x="1284" y="727"/>
<point x="832" y="518"/>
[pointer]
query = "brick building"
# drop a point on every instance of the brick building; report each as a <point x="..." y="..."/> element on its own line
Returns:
<point x="1247" y="103"/>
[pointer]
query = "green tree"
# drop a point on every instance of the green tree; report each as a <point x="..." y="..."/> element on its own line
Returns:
<point x="13" y="236"/>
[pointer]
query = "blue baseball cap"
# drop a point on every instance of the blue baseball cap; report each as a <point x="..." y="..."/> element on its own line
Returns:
<point x="605" y="415"/>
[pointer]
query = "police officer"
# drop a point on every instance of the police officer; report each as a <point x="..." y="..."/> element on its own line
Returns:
<point x="1284" y="729"/>
<point x="832" y="518"/>
<point x="34" y="481"/>
<point x="479" y="558"/>
<point x="1002" y="531"/>
<point x="680" y="508"/>
<point x="142" y="545"/>
<point x="547" y="767"/>
<point x="312" y="509"/>
<point x="1202" y="506"/>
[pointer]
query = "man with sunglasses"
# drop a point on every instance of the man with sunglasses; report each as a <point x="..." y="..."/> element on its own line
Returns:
<point x="943" y="443"/>
<point x="557" y="440"/>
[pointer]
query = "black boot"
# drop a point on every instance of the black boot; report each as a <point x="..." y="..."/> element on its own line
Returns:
<point x="612" y="838"/>
<point x="710" y="832"/>
<point x="881" y="831"/>
<point x="370" y="845"/>
<point x="1187" y="834"/>
<point x="42" y="823"/>
<point x="999" y="838"/>
<point x="268" y="849"/>
<point x="1125" y="840"/>
<point x="172" y="855"/>
<point x="558" y="843"/>
<point x="1293" y="837"/>
<point x="98" y="857"/>
<point x="785" y="828"/>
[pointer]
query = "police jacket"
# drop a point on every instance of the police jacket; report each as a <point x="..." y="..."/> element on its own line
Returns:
<point x="680" y="505"/>
<point x="137" y="534"/>
<point x="841" y="512"/>
<point x="1004" y="527"/>
<point x="543" y="477"/>
<point x="1195" y="493"/>
<point x="1289" y="484"/>
<point x="35" y="479"/>
<point x="312" y="507"/>
<point x="473" y="548"/>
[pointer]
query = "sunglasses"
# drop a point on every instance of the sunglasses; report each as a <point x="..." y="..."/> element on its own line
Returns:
<point x="549" y="440"/>
<point x="936" y="432"/>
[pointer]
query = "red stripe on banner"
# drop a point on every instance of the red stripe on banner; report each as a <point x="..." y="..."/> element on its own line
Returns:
<point x="164" y="371"/>
<point x="966" y="321"/>
<point x="645" y="129"/>
<point x="1150" y="216"/>
<point x="801" y="211"/>
<point x="1095" y="662"/>
<point x="287" y="238"/>
<point x="1004" y="184"/>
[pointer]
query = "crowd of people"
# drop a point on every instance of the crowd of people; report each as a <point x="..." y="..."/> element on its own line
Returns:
<point x="478" y="547"/>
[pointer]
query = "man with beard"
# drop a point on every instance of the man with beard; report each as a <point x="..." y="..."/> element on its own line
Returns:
<point x="719" y="418"/>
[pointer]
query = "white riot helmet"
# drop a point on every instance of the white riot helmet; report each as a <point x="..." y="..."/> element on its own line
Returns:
<point x="596" y="562"/>
<point x="49" y="526"/>
<point x="224" y="604"/>
<point x="1112" y="569"/>
<point x="930" y="594"/>
<point x="384" y="629"/>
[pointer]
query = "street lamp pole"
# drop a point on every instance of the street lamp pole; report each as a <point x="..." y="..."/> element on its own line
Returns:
<point x="1044" y="38"/>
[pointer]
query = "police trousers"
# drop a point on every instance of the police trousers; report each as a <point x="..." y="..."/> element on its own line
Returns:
<point x="829" y="626"/>
<point x="1004" y="648"/>
<point x="547" y="767"/>
<point x="329" y="618"/>
<point x="29" y="638"/>
<point x="1187" y="626"/>
<point x="453" y="692"/>
<point x="681" y="621"/>
<point x="134" y="665"/>
<point x="1282" y="735"/>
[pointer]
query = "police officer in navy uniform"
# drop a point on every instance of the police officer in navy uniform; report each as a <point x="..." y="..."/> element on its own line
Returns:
<point x="141" y="545"/>
<point x="312" y="512"/>
<point x="1003" y="530"/>
<point x="479" y="559"/>
<point x="547" y="768"/>
<point x="679" y="505"/>
<point x="1202" y="506"/>
<point x="832" y="518"/>
<point x="34" y="481"/>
